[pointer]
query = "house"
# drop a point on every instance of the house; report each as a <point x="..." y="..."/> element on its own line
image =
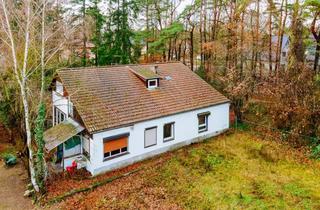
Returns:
<point x="311" y="50"/>
<point x="109" y="117"/>
<point x="284" y="50"/>
<point x="285" y="47"/>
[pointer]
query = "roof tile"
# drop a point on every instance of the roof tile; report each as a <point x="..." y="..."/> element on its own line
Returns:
<point x="109" y="97"/>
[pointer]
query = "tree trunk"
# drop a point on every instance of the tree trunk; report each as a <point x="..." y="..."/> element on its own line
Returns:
<point x="270" y="43"/>
<point x="84" y="50"/>
<point x="147" y="23"/>
<point x="279" y="40"/>
<point x="317" y="38"/>
<point x="191" y="48"/>
<point x="29" y="140"/>
<point x="317" y="56"/>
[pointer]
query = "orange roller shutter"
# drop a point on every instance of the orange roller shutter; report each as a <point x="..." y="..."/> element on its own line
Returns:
<point x="115" y="144"/>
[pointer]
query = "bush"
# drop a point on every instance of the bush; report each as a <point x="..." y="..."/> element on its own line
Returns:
<point x="315" y="152"/>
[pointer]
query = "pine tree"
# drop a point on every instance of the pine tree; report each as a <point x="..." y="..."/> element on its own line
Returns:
<point x="99" y="20"/>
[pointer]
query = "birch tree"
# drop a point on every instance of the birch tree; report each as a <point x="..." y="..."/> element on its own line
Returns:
<point x="24" y="20"/>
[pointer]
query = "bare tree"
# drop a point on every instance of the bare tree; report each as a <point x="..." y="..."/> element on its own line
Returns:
<point x="29" y="16"/>
<point x="316" y="36"/>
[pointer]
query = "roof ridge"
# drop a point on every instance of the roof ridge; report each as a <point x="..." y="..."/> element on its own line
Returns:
<point x="115" y="66"/>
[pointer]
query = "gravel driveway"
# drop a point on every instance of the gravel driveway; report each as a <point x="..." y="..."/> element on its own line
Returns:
<point x="12" y="187"/>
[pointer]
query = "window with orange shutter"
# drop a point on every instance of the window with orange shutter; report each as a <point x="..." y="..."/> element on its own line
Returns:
<point x="115" y="146"/>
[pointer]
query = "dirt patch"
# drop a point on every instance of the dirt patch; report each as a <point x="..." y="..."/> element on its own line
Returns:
<point x="270" y="153"/>
<point x="12" y="187"/>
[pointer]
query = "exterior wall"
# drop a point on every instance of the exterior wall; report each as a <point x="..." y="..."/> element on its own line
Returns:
<point x="60" y="102"/>
<point x="73" y="151"/>
<point x="185" y="131"/>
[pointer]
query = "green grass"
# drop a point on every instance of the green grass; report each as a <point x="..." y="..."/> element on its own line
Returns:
<point x="230" y="172"/>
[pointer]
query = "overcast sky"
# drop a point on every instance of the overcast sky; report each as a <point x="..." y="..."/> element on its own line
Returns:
<point x="184" y="4"/>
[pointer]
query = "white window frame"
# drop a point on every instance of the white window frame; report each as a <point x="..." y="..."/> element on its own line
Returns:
<point x="203" y="127"/>
<point x="152" y="86"/>
<point x="57" y="116"/>
<point x="169" y="138"/>
<point x="122" y="151"/>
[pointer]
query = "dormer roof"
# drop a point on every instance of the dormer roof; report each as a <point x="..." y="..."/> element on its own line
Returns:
<point x="145" y="73"/>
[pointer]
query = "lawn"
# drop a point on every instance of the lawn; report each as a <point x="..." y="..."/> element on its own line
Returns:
<point x="234" y="171"/>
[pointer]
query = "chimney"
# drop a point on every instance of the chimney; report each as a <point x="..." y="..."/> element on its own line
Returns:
<point x="154" y="69"/>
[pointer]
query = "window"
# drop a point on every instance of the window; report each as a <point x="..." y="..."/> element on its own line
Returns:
<point x="203" y="122"/>
<point x="59" y="116"/>
<point x="150" y="137"/>
<point x="168" y="132"/>
<point x="152" y="83"/>
<point x="115" y="146"/>
<point x="284" y="54"/>
<point x="59" y="87"/>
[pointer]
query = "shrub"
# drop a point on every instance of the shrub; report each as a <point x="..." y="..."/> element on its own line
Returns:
<point x="315" y="152"/>
<point x="241" y="126"/>
<point x="211" y="161"/>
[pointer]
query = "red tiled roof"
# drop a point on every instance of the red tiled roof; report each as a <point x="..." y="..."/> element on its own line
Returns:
<point x="109" y="97"/>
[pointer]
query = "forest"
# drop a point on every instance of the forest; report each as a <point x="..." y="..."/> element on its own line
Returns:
<point x="264" y="55"/>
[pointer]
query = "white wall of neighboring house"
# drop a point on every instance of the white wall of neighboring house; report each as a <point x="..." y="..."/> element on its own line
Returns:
<point x="186" y="132"/>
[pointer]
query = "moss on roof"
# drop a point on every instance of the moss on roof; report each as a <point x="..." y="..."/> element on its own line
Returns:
<point x="110" y="97"/>
<point x="60" y="133"/>
<point x="146" y="73"/>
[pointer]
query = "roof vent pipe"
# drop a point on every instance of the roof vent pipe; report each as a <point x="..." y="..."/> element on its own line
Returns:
<point x="154" y="69"/>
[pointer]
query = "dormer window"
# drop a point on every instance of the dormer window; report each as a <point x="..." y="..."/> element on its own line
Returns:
<point x="153" y="83"/>
<point x="149" y="75"/>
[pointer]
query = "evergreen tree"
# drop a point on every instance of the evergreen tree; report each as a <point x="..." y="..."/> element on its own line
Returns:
<point x="124" y="13"/>
<point x="82" y="16"/>
<point x="99" y="20"/>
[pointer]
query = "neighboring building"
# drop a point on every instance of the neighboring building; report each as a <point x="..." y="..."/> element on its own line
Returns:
<point x="309" y="53"/>
<point x="284" y="49"/>
<point x="109" y="117"/>
<point x="283" y="53"/>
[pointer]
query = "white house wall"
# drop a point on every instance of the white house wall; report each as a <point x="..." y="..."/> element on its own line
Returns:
<point x="185" y="132"/>
<point x="60" y="102"/>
